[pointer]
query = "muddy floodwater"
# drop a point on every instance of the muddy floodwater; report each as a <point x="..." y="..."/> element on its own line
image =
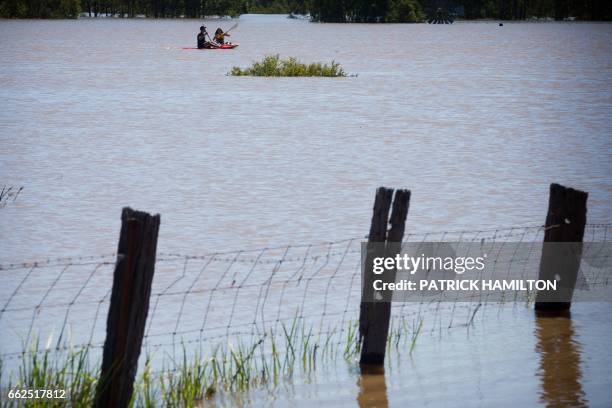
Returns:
<point x="509" y="359"/>
<point x="475" y="119"/>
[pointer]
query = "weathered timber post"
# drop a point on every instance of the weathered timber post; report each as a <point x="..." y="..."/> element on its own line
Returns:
<point x="375" y="315"/>
<point x="565" y="223"/>
<point x="129" y="305"/>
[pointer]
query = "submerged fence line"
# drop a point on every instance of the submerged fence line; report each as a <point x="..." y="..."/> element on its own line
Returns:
<point x="76" y="291"/>
<point x="115" y="302"/>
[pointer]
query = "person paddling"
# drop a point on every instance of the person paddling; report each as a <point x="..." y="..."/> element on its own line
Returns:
<point x="220" y="36"/>
<point x="202" y="43"/>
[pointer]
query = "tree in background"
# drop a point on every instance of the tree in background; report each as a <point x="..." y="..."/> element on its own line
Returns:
<point x="298" y="6"/>
<point x="329" y="11"/>
<point x="231" y="8"/>
<point x="404" y="11"/>
<point x="340" y="11"/>
<point x="69" y="9"/>
<point x="40" y="8"/>
<point x="13" y="9"/>
<point x="276" y="6"/>
<point x="367" y="11"/>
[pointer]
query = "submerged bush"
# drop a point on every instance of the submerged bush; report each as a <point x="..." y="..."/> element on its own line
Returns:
<point x="272" y="65"/>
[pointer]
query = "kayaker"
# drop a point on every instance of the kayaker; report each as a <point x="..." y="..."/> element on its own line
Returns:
<point x="202" y="43"/>
<point x="220" y="36"/>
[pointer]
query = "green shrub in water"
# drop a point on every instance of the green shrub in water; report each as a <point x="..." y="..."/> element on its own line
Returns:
<point x="274" y="66"/>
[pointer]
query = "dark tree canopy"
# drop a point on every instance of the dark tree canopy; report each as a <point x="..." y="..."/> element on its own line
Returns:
<point x="362" y="11"/>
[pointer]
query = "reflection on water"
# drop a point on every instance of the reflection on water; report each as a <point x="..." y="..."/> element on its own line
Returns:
<point x="372" y="387"/>
<point x="559" y="362"/>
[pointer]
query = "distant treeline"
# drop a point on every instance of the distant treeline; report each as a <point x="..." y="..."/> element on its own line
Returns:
<point x="523" y="9"/>
<point x="320" y="10"/>
<point x="406" y="11"/>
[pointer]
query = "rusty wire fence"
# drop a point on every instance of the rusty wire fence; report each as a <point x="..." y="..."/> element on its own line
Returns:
<point x="202" y="300"/>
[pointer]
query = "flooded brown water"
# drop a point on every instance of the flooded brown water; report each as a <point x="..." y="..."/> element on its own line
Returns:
<point x="98" y="114"/>
<point x="475" y="119"/>
<point x="510" y="359"/>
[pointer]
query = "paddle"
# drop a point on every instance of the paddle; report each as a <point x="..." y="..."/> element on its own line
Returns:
<point x="231" y="28"/>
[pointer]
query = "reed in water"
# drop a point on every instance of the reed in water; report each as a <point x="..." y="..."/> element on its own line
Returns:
<point x="263" y="361"/>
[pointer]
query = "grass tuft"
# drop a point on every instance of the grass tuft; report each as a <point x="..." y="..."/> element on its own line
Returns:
<point x="194" y="379"/>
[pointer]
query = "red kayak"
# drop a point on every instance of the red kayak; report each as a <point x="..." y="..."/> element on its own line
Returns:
<point x="214" y="47"/>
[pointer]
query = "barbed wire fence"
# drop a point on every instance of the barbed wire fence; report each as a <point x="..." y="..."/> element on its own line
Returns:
<point x="175" y="304"/>
<point x="199" y="300"/>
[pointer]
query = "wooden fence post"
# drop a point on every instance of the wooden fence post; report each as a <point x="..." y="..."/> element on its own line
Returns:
<point x="129" y="305"/>
<point x="565" y="222"/>
<point x="374" y="317"/>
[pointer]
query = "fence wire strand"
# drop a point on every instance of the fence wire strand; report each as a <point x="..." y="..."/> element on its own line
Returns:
<point x="198" y="298"/>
